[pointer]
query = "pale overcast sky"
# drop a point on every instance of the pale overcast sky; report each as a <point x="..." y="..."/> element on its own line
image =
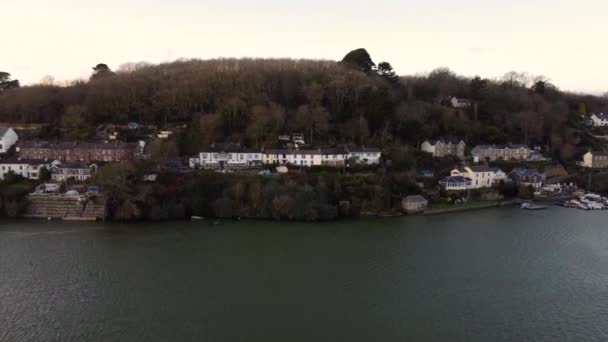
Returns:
<point x="563" y="40"/>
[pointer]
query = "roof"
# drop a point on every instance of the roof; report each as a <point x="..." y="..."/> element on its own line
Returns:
<point x="599" y="153"/>
<point x="3" y="131"/>
<point x="76" y="165"/>
<point x="25" y="161"/>
<point x="335" y="150"/>
<point x="74" y="145"/>
<point x="527" y="172"/>
<point x="501" y="147"/>
<point x="416" y="199"/>
<point x="555" y="170"/>
<point x="480" y="168"/>
<point x="323" y="151"/>
<point x="445" y="141"/>
<point x="228" y="148"/>
<point x="364" y="150"/>
<point x="286" y="151"/>
<point x="601" y="116"/>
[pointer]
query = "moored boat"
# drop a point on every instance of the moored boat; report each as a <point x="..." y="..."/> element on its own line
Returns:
<point x="533" y="206"/>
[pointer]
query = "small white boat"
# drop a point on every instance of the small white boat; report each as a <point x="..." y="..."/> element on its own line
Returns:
<point x="532" y="206"/>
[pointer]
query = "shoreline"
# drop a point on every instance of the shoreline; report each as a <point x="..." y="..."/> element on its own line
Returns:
<point x="365" y="215"/>
<point x="481" y="206"/>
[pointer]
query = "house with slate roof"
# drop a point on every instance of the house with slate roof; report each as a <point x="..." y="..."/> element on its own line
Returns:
<point x="78" y="151"/>
<point x="323" y="156"/>
<point x="501" y="152"/>
<point x="442" y="148"/>
<point x="527" y="177"/>
<point x="78" y="171"/>
<point x="480" y="176"/>
<point x="599" y="120"/>
<point x="227" y="156"/>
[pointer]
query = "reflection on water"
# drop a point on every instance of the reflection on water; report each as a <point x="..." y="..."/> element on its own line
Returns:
<point x="503" y="274"/>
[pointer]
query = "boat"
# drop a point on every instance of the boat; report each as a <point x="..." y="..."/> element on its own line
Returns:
<point x="532" y="206"/>
<point x="583" y="207"/>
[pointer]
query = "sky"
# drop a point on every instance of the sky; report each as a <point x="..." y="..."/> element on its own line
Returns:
<point x="562" y="40"/>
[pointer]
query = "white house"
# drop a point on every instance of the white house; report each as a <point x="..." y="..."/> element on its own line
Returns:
<point x="27" y="168"/>
<point x="334" y="156"/>
<point x="460" y="103"/>
<point x="480" y="176"/>
<point x="595" y="160"/>
<point x="76" y="171"/>
<point x="227" y="156"/>
<point x="8" y="138"/>
<point x="599" y="120"/>
<point x="293" y="157"/>
<point x="365" y="155"/>
<point x="331" y="156"/>
<point x="194" y="161"/>
<point x="164" y="134"/>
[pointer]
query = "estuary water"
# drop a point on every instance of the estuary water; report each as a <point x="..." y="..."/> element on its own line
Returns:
<point x="494" y="275"/>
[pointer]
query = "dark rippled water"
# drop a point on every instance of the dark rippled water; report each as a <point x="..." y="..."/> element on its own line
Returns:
<point x="495" y="275"/>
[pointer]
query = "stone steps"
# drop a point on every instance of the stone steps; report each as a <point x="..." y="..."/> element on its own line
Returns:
<point x="59" y="207"/>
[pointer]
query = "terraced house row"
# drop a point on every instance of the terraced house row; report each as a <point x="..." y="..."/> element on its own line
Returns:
<point x="235" y="156"/>
<point x="77" y="151"/>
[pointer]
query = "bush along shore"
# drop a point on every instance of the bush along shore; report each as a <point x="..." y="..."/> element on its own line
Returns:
<point x="317" y="194"/>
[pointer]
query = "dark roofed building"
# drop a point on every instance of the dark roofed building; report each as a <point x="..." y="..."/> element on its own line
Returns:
<point x="527" y="177"/>
<point x="77" y="151"/>
<point x="501" y="152"/>
<point x="228" y="148"/>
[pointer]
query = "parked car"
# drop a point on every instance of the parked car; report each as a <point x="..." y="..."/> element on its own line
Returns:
<point x="93" y="191"/>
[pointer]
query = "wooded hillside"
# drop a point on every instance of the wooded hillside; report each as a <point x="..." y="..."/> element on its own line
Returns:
<point x="254" y="100"/>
